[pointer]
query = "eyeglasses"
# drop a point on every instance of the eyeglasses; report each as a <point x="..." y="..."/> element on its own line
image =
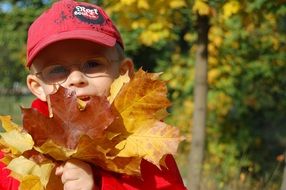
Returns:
<point x="58" y="74"/>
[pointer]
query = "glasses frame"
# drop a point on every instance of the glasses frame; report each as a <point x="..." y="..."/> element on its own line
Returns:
<point x="79" y="68"/>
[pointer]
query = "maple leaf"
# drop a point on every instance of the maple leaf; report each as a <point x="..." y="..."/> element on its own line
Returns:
<point x="24" y="141"/>
<point x="13" y="131"/>
<point x="141" y="104"/>
<point x="141" y="99"/>
<point x="31" y="182"/>
<point x="117" y="85"/>
<point x="125" y="165"/>
<point x="151" y="143"/>
<point x="23" y="167"/>
<point x="68" y="123"/>
<point x="57" y="152"/>
<point x="7" y="123"/>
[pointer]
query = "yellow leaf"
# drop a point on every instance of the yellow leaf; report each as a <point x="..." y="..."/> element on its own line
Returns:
<point x="7" y="123"/>
<point x="31" y="182"/>
<point x="117" y="85"/>
<point x="21" y="167"/>
<point x="143" y="4"/>
<point x="141" y="99"/>
<point x="6" y="159"/>
<point x="213" y="74"/>
<point x="230" y="8"/>
<point x="201" y="7"/>
<point x="81" y="104"/>
<point x="177" y="4"/>
<point x="127" y="2"/>
<point x="152" y="140"/>
<point x="24" y="140"/>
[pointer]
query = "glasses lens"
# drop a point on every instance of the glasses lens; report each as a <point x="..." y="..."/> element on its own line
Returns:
<point x="55" y="74"/>
<point x="95" y="67"/>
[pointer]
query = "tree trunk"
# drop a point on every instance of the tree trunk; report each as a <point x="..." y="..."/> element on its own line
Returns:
<point x="283" y="186"/>
<point x="200" y="105"/>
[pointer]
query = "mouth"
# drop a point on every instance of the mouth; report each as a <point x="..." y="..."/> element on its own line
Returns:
<point x="82" y="102"/>
<point x="84" y="98"/>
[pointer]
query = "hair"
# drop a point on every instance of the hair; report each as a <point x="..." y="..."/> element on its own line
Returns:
<point x="120" y="51"/>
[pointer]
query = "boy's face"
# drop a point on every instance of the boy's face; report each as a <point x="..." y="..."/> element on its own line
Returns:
<point x="80" y="65"/>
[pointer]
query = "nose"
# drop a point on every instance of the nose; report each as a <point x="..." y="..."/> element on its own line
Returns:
<point x="76" y="79"/>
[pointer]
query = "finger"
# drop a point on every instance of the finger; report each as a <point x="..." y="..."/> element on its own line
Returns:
<point x="74" y="163"/>
<point x="70" y="175"/>
<point x="59" y="170"/>
<point x="74" y="185"/>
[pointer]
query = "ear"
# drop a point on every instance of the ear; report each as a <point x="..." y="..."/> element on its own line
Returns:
<point x="127" y="65"/>
<point x="34" y="85"/>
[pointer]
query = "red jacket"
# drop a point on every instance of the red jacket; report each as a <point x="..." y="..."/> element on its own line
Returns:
<point x="152" y="178"/>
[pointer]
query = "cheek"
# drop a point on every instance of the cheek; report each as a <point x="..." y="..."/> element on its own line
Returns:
<point x="49" y="89"/>
<point x="103" y="86"/>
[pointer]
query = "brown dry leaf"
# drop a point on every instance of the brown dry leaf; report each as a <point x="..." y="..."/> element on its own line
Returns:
<point x="68" y="123"/>
<point x="91" y="151"/>
<point x="55" y="182"/>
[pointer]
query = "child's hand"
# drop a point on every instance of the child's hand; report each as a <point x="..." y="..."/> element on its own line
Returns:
<point x="76" y="175"/>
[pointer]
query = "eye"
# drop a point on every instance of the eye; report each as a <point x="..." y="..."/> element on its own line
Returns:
<point x="55" y="73"/>
<point x="56" y="70"/>
<point x="93" y="66"/>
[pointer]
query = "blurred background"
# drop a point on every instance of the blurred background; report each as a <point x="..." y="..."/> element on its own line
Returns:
<point x="242" y="46"/>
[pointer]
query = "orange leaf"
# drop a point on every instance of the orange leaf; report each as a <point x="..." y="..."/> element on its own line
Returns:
<point x="142" y="98"/>
<point x="151" y="141"/>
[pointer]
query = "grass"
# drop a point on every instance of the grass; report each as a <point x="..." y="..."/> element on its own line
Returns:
<point x="10" y="105"/>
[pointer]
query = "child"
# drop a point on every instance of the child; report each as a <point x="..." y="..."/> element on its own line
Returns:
<point x="75" y="45"/>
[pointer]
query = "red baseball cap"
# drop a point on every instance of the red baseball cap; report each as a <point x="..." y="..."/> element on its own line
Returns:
<point x="68" y="19"/>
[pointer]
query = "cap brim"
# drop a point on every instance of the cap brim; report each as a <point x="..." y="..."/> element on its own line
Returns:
<point x="93" y="36"/>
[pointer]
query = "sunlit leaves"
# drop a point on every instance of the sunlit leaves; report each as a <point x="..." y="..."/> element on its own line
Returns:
<point x="202" y="7"/>
<point x="230" y="8"/>
<point x="152" y="20"/>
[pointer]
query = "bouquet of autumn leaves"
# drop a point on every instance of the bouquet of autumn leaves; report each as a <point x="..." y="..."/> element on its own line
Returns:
<point x="113" y="133"/>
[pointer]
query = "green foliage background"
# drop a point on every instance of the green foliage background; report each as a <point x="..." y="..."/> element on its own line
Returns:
<point x="247" y="67"/>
